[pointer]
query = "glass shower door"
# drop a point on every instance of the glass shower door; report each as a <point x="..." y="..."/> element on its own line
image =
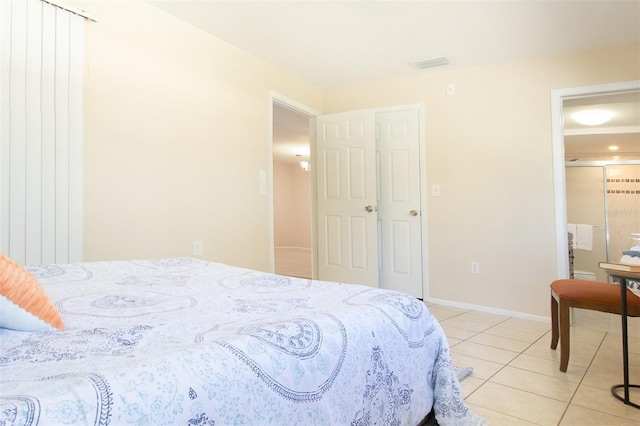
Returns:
<point x="623" y="207"/>
<point x="586" y="205"/>
<point x="607" y="197"/>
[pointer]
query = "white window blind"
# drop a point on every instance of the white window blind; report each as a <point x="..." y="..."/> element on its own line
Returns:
<point x="41" y="208"/>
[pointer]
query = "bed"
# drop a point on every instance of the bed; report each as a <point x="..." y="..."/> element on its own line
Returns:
<point x="182" y="341"/>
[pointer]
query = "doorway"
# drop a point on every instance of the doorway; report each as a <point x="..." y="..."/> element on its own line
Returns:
<point x="292" y="199"/>
<point x="577" y="145"/>
<point x="595" y="186"/>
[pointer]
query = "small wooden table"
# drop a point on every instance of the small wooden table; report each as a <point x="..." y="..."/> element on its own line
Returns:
<point x="621" y="272"/>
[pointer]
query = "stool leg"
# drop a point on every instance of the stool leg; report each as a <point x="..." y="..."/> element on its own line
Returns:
<point x="555" y="330"/>
<point x="564" y="335"/>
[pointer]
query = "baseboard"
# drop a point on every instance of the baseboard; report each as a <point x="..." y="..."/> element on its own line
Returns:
<point x="489" y="310"/>
<point x="292" y="248"/>
<point x="610" y="323"/>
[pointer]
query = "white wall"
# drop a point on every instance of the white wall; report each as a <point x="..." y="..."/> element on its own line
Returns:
<point x="177" y="127"/>
<point x="489" y="147"/>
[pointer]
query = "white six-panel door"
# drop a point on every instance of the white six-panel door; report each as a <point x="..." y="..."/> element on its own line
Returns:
<point x="369" y="199"/>
<point x="346" y="198"/>
<point x="399" y="214"/>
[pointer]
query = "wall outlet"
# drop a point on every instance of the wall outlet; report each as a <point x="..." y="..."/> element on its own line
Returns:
<point x="197" y="248"/>
<point x="475" y="268"/>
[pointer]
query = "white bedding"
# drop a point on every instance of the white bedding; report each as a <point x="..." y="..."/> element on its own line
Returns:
<point x="184" y="341"/>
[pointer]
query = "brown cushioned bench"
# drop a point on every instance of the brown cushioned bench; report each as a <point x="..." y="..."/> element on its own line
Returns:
<point x="597" y="296"/>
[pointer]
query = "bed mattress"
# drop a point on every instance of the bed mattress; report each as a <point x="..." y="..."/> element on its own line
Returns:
<point x="185" y="341"/>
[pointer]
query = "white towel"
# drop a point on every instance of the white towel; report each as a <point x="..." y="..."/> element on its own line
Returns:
<point x="584" y="237"/>
<point x="571" y="228"/>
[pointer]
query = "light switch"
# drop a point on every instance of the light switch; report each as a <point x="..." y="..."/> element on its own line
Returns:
<point x="435" y="190"/>
<point x="263" y="188"/>
<point x="197" y="248"/>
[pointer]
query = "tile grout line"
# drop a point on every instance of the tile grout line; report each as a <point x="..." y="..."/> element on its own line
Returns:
<point x="600" y="345"/>
<point x="508" y="365"/>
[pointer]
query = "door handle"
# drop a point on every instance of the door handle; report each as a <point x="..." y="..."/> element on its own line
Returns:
<point x="370" y="209"/>
<point x="413" y="213"/>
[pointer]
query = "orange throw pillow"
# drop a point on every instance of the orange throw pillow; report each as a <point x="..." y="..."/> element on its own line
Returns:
<point x="24" y="304"/>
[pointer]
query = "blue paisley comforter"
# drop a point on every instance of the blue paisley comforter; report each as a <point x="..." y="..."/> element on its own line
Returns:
<point x="182" y="341"/>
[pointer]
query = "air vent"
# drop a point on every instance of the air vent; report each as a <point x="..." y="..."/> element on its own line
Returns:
<point x="430" y="63"/>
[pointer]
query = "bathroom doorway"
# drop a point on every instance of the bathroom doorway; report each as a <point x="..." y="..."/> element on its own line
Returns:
<point x="602" y="175"/>
<point x="597" y="184"/>
<point x="576" y="144"/>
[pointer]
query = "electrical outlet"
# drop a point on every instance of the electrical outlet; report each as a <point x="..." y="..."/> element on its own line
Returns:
<point x="475" y="268"/>
<point x="197" y="248"/>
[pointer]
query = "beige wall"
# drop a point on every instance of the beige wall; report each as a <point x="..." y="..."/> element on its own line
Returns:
<point x="176" y="130"/>
<point x="489" y="148"/>
<point x="177" y="127"/>
<point x="292" y="206"/>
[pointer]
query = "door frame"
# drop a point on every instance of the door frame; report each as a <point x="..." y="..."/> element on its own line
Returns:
<point x="559" y="186"/>
<point x="275" y="97"/>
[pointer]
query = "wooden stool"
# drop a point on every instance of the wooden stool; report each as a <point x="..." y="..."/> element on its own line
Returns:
<point x="597" y="296"/>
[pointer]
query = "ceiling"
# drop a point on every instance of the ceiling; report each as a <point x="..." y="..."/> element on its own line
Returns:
<point x="337" y="43"/>
<point x="290" y="135"/>
<point x="593" y="142"/>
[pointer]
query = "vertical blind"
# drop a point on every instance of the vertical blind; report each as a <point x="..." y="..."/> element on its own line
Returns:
<point x="41" y="81"/>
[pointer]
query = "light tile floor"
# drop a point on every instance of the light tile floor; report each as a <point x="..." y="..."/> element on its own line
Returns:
<point x="516" y="379"/>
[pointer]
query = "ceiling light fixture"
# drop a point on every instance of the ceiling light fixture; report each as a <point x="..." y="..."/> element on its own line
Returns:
<point x="593" y="117"/>
<point x="430" y="63"/>
<point x="613" y="148"/>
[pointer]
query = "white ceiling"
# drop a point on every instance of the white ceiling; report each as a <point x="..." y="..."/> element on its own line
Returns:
<point x="337" y="43"/>
<point x="623" y="130"/>
<point x="290" y="135"/>
<point x="334" y="43"/>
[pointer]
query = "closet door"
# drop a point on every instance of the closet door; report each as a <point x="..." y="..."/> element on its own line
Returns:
<point x="346" y="197"/>
<point x="399" y="201"/>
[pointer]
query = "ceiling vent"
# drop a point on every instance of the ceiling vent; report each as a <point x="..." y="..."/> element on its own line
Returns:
<point x="430" y="63"/>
